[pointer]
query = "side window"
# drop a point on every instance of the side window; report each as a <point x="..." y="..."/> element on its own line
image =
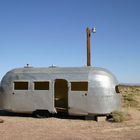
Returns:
<point x="79" y="86"/>
<point x="20" y="85"/>
<point x="117" y="89"/>
<point x="41" y="85"/>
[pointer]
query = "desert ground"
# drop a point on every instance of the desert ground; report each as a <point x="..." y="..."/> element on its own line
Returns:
<point x="25" y="127"/>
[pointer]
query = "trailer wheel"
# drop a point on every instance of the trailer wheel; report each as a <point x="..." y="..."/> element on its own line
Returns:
<point x="41" y="114"/>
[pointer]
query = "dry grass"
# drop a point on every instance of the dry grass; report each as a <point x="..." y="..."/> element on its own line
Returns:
<point x="126" y="89"/>
<point x="130" y="96"/>
<point x="130" y="100"/>
<point x="119" y="116"/>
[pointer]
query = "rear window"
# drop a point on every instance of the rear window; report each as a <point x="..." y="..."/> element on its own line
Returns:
<point x="117" y="89"/>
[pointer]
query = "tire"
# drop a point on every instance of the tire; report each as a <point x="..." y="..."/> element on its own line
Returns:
<point x="41" y="114"/>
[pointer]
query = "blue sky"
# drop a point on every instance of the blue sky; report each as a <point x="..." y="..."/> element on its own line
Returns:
<point x="46" y="32"/>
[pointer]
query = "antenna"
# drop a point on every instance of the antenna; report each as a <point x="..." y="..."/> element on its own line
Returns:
<point x="88" y="30"/>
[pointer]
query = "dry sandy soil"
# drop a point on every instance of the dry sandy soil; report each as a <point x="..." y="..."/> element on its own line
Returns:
<point x="25" y="127"/>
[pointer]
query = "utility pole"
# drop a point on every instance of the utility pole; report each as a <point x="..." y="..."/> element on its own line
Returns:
<point x="93" y="30"/>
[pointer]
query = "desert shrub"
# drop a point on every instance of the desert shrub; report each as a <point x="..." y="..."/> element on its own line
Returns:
<point x="129" y="100"/>
<point x="118" y="116"/>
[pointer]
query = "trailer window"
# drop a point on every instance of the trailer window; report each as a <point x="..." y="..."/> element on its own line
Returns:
<point x="117" y="89"/>
<point x="41" y="85"/>
<point x="20" y="85"/>
<point x="79" y="86"/>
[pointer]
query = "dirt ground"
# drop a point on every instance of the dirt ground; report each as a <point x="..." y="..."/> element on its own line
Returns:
<point x="28" y="128"/>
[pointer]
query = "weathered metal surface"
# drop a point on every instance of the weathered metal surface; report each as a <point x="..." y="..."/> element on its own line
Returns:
<point x="101" y="97"/>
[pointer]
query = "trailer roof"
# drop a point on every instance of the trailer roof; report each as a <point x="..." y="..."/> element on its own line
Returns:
<point x="69" y="73"/>
<point x="58" y="70"/>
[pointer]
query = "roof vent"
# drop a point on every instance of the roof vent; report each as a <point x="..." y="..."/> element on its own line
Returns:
<point x="28" y="66"/>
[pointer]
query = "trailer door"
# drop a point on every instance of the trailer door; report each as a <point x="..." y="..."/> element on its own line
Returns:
<point x="78" y="98"/>
<point x="61" y="95"/>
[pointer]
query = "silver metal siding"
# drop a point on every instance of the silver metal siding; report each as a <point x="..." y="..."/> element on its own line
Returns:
<point x="101" y="97"/>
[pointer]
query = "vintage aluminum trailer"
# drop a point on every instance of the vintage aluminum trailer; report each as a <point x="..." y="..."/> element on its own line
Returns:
<point x="77" y="91"/>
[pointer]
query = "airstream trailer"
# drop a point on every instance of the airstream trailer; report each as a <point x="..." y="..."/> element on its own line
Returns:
<point x="77" y="91"/>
